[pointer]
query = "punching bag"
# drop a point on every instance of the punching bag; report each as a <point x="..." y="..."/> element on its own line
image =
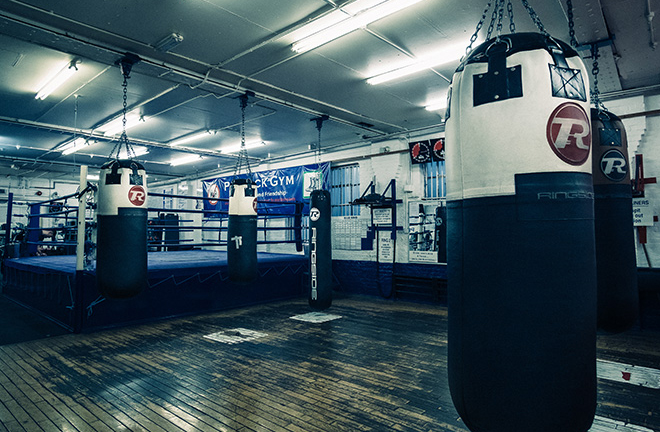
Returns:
<point x="121" y="252"/>
<point x="242" y="231"/>
<point x="320" y="250"/>
<point x="616" y="261"/>
<point x="521" y="258"/>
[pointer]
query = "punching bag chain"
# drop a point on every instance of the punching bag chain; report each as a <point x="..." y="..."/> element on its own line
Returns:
<point x="319" y="124"/>
<point x="474" y="36"/>
<point x="123" y="139"/>
<point x="571" y="23"/>
<point x="242" y="154"/>
<point x="595" y="94"/>
<point x="509" y="9"/>
<point x="535" y="17"/>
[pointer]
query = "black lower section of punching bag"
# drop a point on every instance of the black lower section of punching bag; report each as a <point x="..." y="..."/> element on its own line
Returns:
<point x="320" y="251"/>
<point x="121" y="253"/>
<point x="618" y="299"/>
<point x="522" y="307"/>
<point x="242" y="248"/>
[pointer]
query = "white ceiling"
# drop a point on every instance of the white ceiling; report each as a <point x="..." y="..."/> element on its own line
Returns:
<point x="233" y="46"/>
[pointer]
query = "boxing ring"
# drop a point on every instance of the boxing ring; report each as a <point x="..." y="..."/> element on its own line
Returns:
<point x="187" y="265"/>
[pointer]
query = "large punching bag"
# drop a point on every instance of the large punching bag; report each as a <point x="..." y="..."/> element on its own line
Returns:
<point x="521" y="258"/>
<point x="618" y="300"/>
<point x="242" y="231"/>
<point x="320" y="250"/>
<point x="121" y="252"/>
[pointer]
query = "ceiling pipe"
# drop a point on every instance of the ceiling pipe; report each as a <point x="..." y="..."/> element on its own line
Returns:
<point x="261" y="89"/>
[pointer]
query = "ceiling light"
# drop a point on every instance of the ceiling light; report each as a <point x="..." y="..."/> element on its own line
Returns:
<point x="444" y="56"/>
<point x="169" y="42"/>
<point x="192" y="137"/>
<point x="75" y="145"/>
<point x="116" y="126"/>
<point x="437" y="105"/>
<point x="237" y="147"/>
<point x="93" y="177"/>
<point x="57" y="78"/>
<point x="359" y="18"/>
<point x="185" y="159"/>
<point x="137" y="152"/>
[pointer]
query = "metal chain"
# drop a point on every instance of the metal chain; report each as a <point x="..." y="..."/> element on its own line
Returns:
<point x="474" y="36"/>
<point x="535" y="17"/>
<point x="493" y="18"/>
<point x="318" y="145"/>
<point x="509" y="9"/>
<point x="571" y="23"/>
<point x="500" y="17"/>
<point x="242" y="154"/>
<point x="595" y="94"/>
<point x="123" y="139"/>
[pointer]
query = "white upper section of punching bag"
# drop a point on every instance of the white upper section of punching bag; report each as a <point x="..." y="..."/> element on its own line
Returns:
<point x="242" y="205"/>
<point x="490" y="143"/>
<point x="111" y="197"/>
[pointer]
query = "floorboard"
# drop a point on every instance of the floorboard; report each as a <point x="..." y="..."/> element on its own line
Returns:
<point x="382" y="366"/>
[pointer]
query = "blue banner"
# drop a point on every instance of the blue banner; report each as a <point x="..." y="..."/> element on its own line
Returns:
<point x="277" y="190"/>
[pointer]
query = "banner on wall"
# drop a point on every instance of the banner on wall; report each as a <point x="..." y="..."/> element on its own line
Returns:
<point x="427" y="150"/>
<point x="284" y="185"/>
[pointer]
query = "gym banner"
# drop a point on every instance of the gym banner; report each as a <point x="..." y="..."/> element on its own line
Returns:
<point x="427" y="150"/>
<point x="284" y="185"/>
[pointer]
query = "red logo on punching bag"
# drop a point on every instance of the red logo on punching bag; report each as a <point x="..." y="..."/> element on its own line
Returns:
<point x="569" y="133"/>
<point x="137" y="195"/>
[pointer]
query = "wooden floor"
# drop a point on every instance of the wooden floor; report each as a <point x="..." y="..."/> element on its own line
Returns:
<point x="381" y="367"/>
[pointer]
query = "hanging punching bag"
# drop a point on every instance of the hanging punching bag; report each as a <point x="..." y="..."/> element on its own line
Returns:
<point x="521" y="258"/>
<point x="121" y="253"/>
<point x="242" y="231"/>
<point x="320" y="250"/>
<point x="618" y="301"/>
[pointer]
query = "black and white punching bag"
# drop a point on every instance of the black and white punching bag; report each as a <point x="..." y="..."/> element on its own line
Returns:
<point x="618" y="300"/>
<point x="521" y="258"/>
<point x="242" y="231"/>
<point x="320" y="250"/>
<point x="121" y="251"/>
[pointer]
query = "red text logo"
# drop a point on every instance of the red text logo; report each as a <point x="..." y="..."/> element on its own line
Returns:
<point x="569" y="133"/>
<point x="137" y="195"/>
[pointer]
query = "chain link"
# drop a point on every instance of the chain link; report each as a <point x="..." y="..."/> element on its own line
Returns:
<point x="493" y="18"/>
<point x="500" y="17"/>
<point x="595" y="70"/>
<point x="242" y="154"/>
<point x="535" y="17"/>
<point x="571" y="23"/>
<point x="474" y="36"/>
<point x="509" y="9"/>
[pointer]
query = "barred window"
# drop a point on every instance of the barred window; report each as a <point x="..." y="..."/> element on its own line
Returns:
<point x="435" y="185"/>
<point x="345" y="187"/>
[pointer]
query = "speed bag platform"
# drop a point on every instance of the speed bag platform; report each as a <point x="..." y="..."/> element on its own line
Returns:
<point x="320" y="250"/>
<point x="616" y="260"/>
<point x="242" y="231"/>
<point x="520" y="238"/>
<point x="121" y="252"/>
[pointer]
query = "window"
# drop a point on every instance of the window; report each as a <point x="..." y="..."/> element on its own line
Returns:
<point x="435" y="185"/>
<point x="345" y="187"/>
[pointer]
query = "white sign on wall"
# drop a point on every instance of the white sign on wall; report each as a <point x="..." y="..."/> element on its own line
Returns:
<point x="642" y="212"/>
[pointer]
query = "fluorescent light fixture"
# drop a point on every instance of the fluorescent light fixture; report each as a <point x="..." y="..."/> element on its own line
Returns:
<point x="138" y="150"/>
<point x="185" y="159"/>
<point x="93" y="177"/>
<point x="443" y="56"/>
<point x="191" y="137"/>
<point x="357" y="15"/>
<point x="237" y="147"/>
<point x="116" y="126"/>
<point x="437" y="105"/>
<point x="169" y="42"/>
<point x="75" y="145"/>
<point x="57" y="78"/>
